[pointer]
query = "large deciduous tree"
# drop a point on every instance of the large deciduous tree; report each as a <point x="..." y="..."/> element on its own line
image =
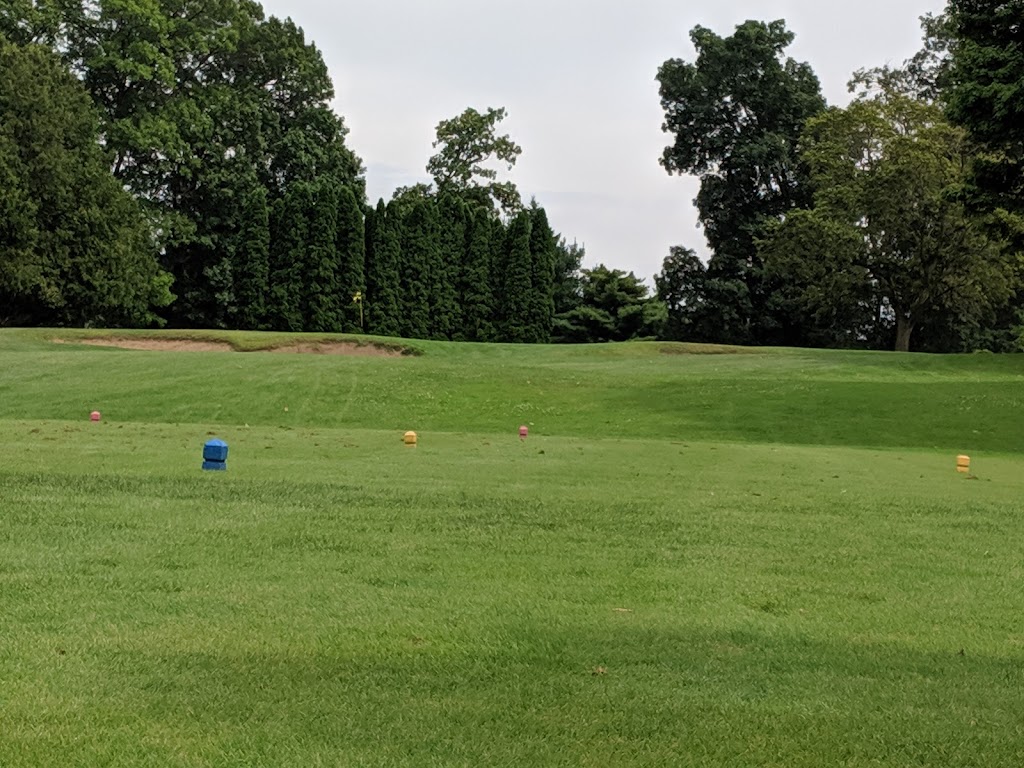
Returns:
<point x="885" y="235"/>
<point x="736" y="115"/>
<point x="680" y="286"/>
<point x="466" y="145"/>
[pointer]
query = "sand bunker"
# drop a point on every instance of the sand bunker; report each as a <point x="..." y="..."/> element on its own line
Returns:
<point x="338" y="348"/>
<point x="158" y="345"/>
<point x="199" y="345"/>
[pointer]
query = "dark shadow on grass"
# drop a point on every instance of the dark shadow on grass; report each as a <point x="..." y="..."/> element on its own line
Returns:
<point x="951" y="415"/>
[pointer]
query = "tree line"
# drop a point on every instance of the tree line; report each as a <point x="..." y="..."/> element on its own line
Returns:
<point x="892" y="222"/>
<point x="177" y="162"/>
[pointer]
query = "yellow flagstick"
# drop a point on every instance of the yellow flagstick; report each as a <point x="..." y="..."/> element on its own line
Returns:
<point x="357" y="298"/>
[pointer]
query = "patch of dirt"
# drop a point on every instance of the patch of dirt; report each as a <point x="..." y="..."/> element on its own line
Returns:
<point x="199" y="345"/>
<point x="158" y="345"/>
<point x="338" y="348"/>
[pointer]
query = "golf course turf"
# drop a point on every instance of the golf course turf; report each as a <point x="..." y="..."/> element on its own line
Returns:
<point x="699" y="556"/>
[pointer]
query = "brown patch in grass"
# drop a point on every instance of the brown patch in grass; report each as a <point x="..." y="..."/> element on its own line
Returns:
<point x="201" y="345"/>
<point x="338" y="348"/>
<point x="158" y="345"/>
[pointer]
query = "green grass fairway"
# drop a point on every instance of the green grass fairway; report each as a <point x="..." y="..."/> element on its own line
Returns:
<point x="730" y="559"/>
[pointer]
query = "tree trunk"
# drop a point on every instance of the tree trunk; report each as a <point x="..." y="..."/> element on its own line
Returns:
<point x="904" y="327"/>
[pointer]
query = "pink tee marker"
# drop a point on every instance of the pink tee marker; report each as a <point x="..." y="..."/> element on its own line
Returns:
<point x="95" y="416"/>
<point x="523" y="433"/>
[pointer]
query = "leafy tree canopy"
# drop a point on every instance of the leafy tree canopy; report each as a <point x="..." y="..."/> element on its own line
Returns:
<point x="736" y="115"/>
<point x="466" y="144"/>
<point x="74" y="246"/>
<point x="884" y="223"/>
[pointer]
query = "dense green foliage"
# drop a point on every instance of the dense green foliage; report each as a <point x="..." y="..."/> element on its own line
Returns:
<point x="383" y="249"/>
<point x="74" y="246"/>
<point x="760" y="558"/>
<point x="217" y="121"/>
<point x="886" y="248"/>
<point x="876" y="225"/>
<point x="736" y="115"/>
<point x="613" y="306"/>
<point x="465" y="144"/>
<point x="209" y="184"/>
<point x="985" y="95"/>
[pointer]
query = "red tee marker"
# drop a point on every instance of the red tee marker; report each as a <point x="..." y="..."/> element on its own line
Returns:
<point x="523" y="432"/>
<point x="94" y="416"/>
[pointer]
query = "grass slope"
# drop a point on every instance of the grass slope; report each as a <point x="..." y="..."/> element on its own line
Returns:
<point x="970" y="403"/>
<point x="734" y="560"/>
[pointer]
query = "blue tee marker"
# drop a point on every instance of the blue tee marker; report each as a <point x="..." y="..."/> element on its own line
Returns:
<point x="215" y="455"/>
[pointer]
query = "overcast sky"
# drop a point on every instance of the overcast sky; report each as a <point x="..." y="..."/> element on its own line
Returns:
<point x="577" y="79"/>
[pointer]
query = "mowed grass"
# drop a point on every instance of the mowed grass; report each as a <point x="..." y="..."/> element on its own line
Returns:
<point x="742" y="559"/>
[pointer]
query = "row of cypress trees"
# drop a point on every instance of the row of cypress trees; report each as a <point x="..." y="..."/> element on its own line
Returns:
<point x="423" y="266"/>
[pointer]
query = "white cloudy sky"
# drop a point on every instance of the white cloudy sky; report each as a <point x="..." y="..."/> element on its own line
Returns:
<point x="577" y="79"/>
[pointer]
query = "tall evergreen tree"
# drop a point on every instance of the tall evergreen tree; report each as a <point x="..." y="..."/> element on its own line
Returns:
<point x="567" y="282"/>
<point x="290" y="226"/>
<point x="515" y="287"/>
<point x="498" y="272"/>
<point x="370" y="237"/>
<point x="474" y="289"/>
<point x="251" y="261"/>
<point x="419" y="252"/>
<point x="543" y="247"/>
<point x="567" y="289"/>
<point x="351" y="247"/>
<point x="382" y="278"/>
<point x="446" y="313"/>
<point x="74" y="246"/>
<point x="321" y="302"/>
